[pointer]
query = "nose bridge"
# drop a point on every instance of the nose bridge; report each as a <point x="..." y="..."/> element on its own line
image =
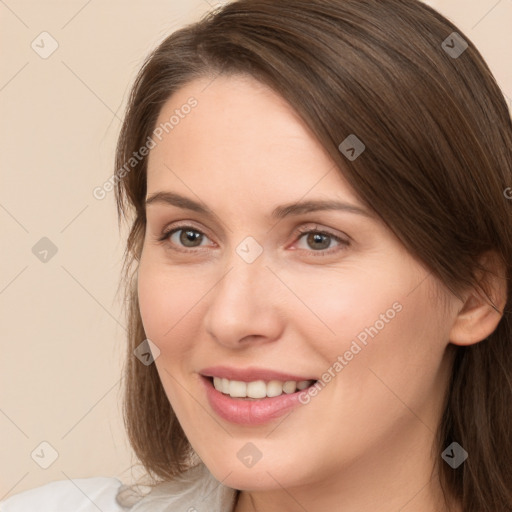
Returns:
<point x="242" y="281"/>
<point x="246" y="267"/>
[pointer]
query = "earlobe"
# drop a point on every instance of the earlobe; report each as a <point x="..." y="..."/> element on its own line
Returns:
<point x="479" y="314"/>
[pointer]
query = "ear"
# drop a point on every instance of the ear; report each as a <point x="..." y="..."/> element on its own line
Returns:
<point x="479" y="315"/>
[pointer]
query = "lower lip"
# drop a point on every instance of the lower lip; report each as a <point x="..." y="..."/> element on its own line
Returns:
<point x="249" y="412"/>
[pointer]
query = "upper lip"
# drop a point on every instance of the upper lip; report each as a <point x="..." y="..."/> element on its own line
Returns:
<point x="250" y="374"/>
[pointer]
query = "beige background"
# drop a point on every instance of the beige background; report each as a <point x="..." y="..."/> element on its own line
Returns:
<point x="62" y="329"/>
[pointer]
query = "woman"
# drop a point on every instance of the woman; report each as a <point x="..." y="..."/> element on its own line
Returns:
<point x="370" y="373"/>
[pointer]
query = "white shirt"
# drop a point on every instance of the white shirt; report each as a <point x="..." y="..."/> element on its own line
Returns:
<point x="195" y="491"/>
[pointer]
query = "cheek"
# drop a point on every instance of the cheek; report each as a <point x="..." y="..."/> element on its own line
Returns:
<point x="153" y="302"/>
<point x="167" y="313"/>
<point x="376" y="322"/>
<point x="400" y="360"/>
<point x="168" y="299"/>
<point x="339" y="309"/>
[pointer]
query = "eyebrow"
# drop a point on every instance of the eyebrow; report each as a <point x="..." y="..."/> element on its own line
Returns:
<point x="280" y="212"/>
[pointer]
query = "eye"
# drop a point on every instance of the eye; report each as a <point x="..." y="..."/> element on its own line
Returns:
<point x="322" y="239"/>
<point x="186" y="236"/>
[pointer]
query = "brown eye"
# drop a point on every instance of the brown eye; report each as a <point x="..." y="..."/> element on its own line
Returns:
<point x="319" y="242"/>
<point x="181" y="237"/>
<point x="189" y="237"/>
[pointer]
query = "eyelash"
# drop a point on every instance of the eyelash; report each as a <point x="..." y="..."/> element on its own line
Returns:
<point x="166" y="234"/>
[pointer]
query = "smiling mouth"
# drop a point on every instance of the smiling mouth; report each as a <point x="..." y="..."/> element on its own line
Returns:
<point x="258" y="389"/>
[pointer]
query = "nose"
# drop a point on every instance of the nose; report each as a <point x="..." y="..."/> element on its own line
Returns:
<point x="246" y="305"/>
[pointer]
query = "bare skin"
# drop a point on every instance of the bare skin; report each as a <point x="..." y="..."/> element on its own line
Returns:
<point x="364" y="442"/>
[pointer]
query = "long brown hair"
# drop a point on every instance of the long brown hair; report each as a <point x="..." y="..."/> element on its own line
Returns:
<point x="437" y="163"/>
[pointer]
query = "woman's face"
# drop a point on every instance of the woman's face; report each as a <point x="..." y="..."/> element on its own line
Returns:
<point x="260" y="289"/>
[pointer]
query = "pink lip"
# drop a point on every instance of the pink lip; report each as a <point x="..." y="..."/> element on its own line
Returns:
<point x="250" y="412"/>
<point x="250" y="374"/>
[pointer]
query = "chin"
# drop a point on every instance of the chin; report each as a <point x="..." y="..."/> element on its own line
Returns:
<point x="273" y="473"/>
<point x="251" y="479"/>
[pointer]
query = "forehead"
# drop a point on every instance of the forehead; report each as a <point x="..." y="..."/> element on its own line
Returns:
<point x="242" y="137"/>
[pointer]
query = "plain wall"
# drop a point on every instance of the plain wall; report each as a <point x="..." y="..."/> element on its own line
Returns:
<point x="63" y="335"/>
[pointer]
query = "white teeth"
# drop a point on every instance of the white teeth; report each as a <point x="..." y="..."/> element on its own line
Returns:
<point x="237" y="388"/>
<point x="275" y="388"/>
<point x="258" y="388"/>
<point x="290" y="386"/>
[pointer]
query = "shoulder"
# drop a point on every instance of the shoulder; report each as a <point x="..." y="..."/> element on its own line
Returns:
<point x="84" y="494"/>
